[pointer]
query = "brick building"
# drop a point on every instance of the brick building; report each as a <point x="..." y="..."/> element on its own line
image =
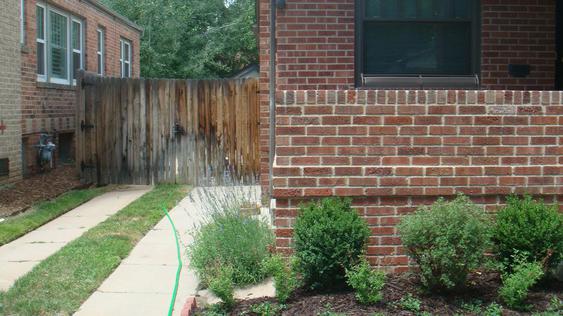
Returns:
<point x="395" y="103"/>
<point x="10" y="111"/>
<point x="60" y="37"/>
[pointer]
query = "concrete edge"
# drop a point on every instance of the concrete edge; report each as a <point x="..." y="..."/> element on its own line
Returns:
<point x="189" y="306"/>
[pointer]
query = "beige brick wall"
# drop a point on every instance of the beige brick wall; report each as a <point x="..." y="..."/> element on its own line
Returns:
<point x="10" y="85"/>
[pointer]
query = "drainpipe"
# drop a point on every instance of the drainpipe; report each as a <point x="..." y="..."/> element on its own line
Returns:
<point x="272" y="87"/>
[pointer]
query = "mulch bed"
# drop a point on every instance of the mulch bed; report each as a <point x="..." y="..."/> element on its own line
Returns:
<point x="17" y="197"/>
<point x="482" y="287"/>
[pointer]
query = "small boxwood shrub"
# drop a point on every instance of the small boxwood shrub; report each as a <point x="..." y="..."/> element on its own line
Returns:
<point x="516" y="284"/>
<point x="528" y="227"/>
<point x="233" y="240"/>
<point x="447" y="240"/>
<point x="329" y="237"/>
<point x="285" y="280"/>
<point x="366" y="282"/>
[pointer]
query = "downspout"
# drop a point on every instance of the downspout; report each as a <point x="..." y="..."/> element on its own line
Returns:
<point x="272" y="92"/>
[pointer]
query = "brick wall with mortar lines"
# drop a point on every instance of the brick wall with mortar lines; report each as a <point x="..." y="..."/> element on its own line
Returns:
<point x="395" y="150"/>
<point x="52" y="107"/>
<point x="316" y="48"/>
<point x="10" y="111"/>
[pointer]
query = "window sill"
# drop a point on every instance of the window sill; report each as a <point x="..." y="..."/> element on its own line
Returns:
<point x="58" y="86"/>
<point x="420" y="82"/>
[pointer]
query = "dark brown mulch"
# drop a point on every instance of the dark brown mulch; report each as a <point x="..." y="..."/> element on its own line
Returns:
<point x="483" y="287"/>
<point x="17" y="197"/>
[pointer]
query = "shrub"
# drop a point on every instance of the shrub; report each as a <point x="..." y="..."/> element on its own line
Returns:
<point x="329" y="238"/>
<point x="285" y="281"/>
<point x="530" y="227"/>
<point x="516" y="285"/>
<point x="410" y="303"/>
<point x="231" y="239"/>
<point x="447" y="240"/>
<point x="493" y="309"/>
<point x="222" y="286"/>
<point x="367" y="283"/>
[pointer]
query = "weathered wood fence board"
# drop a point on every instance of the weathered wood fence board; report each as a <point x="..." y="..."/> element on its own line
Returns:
<point x="146" y="131"/>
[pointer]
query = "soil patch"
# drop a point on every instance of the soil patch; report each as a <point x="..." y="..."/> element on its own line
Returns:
<point x="17" y="197"/>
<point x="481" y="292"/>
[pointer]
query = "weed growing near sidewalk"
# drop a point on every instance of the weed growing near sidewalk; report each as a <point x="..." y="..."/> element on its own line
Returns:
<point x="45" y="212"/>
<point x="62" y="282"/>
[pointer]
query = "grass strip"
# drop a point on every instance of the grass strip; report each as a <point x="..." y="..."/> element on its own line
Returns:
<point x="62" y="282"/>
<point x="44" y="212"/>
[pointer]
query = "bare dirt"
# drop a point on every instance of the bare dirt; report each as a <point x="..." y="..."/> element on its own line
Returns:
<point x="16" y="198"/>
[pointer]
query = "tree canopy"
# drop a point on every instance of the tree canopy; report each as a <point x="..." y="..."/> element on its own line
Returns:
<point x="193" y="38"/>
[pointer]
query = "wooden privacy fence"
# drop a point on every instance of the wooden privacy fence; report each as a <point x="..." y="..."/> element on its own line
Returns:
<point x="145" y="131"/>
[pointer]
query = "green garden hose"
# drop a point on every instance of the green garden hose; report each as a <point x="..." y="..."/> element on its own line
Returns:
<point x="173" y="300"/>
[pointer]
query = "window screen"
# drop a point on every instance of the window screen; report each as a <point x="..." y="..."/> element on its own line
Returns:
<point x="418" y="37"/>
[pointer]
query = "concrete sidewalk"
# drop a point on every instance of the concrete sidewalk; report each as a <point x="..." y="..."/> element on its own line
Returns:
<point x="20" y="256"/>
<point x="143" y="283"/>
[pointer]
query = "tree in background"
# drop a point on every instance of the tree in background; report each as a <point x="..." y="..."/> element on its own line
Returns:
<point x="193" y="38"/>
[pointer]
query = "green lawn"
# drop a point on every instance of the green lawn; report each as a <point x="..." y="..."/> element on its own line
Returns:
<point x="44" y="212"/>
<point x="62" y="282"/>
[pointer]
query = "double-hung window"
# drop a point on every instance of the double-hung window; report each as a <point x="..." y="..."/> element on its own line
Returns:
<point x="60" y="45"/>
<point x="125" y="58"/>
<point x="417" y="38"/>
<point x="100" y="52"/>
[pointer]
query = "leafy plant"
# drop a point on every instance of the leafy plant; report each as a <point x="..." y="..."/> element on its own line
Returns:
<point x="516" y="285"/>
<point x="267" y="309"/>
<point x="285" y="280"/>
<point x="410" y="303"/>
<point x="367" y="282"/>
<point x="531" y="227"/>
<point x="447" y="240"/>
<point x="472" y="306"/>
<point x="493" y="309"/>
<point x="329" y="238"/>
<point x="231" y="239"/>
<point x="222" y="285"/>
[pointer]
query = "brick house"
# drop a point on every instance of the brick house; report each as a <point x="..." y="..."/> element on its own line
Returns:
<point x="397" y="102"/>
<point x="10" y="112"/>
<point x="60" y="37"/>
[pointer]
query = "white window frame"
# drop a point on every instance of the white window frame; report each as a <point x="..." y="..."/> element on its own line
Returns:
<point x="22" y="22"/>
<point x="43" y="77"/>
<point x="69" y="49"/>
<point x="100" y="51"/>
<point x="73" y="50"/>
<point x="122" y="61"/>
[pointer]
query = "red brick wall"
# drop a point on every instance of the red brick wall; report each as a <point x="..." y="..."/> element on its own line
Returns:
<point x="52" y="107"/>
<point x="395" y="150"/>
<point x="316" y="48"/>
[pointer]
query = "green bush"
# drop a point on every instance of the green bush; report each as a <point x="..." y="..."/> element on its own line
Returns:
<point x="410" y="303"/>
<point x="231" y="239"/>
<point x="530" y="227"/>
<point x="285" y="280"/>
<point x="329" y="238"/>
<point x="222" y="285"/>
<point x="515" y="285"/>
<point x="447" y="240"/>
<point x="366" y="282"/>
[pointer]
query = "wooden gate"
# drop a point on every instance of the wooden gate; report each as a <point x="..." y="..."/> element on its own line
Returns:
<point x="141" y="131"/>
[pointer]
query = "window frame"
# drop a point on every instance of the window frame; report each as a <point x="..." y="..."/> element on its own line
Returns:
<point x="100" y="51"/>
<point x="360" y="20"/>
<point x="122" y="62"/>
<point x="73" y="50"/>
<point x="68" y="48"/>
<point x="42" y="77"/>
<point x="22" y="22"/>
<point x="70" y="19"/>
